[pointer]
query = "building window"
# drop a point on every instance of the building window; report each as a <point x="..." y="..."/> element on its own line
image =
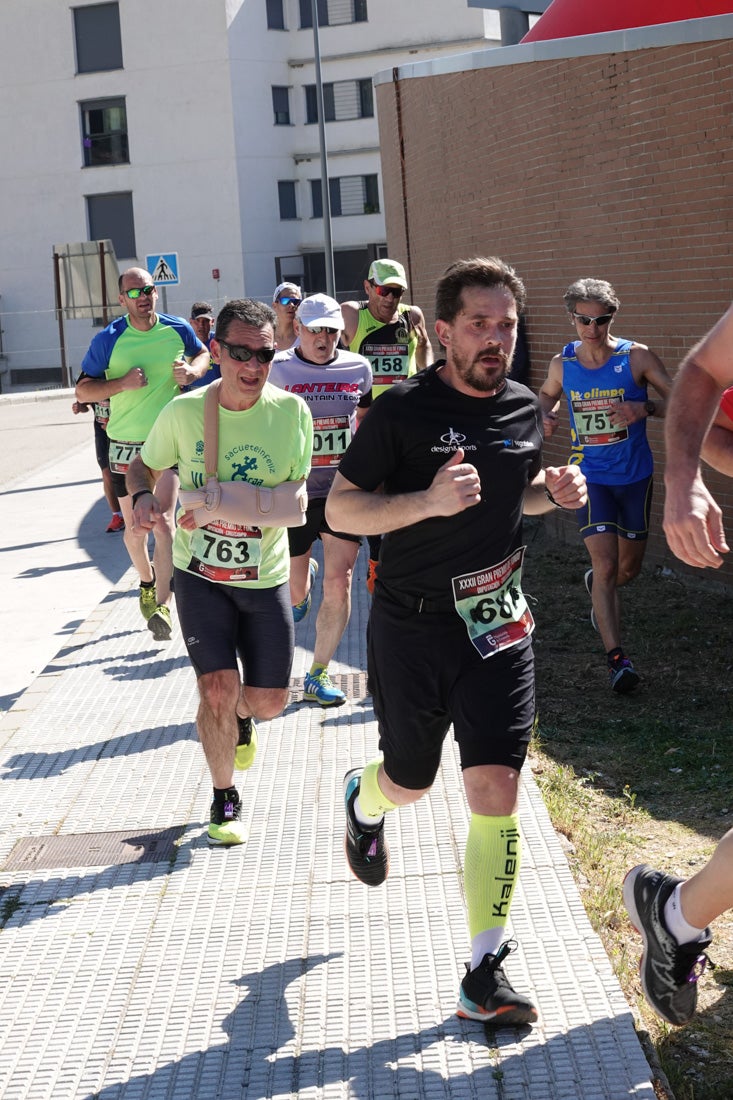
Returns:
<point x="286" y="198"/>
<point x="331" y="13"/>
<point x="306" y="13"/>
<point x="104" y="132"/>
<point x="281" y="105"/>
<point x="110" y="217"/>
<point x="346" y="99"/>
<point x="349" y="195"/>
<point x="275" y="15"/>
<point x="97" y="37"/>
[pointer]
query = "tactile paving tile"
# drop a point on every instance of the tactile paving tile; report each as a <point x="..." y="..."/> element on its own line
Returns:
<point x="267" y="971"/>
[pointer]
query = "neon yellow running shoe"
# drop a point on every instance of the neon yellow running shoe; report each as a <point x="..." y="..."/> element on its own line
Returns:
<point x="226" y="827"/>
<point x="148" y="601"/>
<point x="244" y="757"/>
<point x="159" y="623"/>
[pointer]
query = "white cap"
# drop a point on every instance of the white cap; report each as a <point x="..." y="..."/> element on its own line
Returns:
<point x="319" y="309"/>
<point x="287" y="286"/>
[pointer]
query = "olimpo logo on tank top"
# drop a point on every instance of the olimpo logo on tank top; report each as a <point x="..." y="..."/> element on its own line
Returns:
<point x="451" y="441"/>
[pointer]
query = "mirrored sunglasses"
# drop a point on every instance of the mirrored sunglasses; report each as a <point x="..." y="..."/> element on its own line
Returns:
<point x="318" y="329"/>
<point x="289" y="301"/>
<point x="136" y="291"/>
<point x="389" y="291"/>
<point x="242" y="354"/>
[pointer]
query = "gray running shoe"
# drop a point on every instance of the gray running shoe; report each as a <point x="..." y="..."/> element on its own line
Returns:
<point x="623" y="676"/>
<point x="669" y="970"/>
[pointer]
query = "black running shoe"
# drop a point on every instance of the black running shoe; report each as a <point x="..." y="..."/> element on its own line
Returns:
<point x="669" y="970"/>
<point x="366" y="848"/>
<point x="226" y="827"/>
<point x="487" y="995"/>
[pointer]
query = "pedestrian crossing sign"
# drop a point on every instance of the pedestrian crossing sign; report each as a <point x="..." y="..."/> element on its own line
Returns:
<point x="163" y="267"/>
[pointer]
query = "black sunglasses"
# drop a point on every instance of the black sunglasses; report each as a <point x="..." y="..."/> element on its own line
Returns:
<point x="389" y="291"/>
<point x="136" y="291"/>
<point x="287" y="301"/>
<point x="601" y="321"/>
<point x="242" y="354"/>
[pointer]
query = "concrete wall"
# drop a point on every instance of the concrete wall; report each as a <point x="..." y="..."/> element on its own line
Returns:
<point x="608" y="155"/>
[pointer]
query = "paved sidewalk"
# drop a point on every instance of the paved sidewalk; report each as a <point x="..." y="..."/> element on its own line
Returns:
<point x="138" y="962"/>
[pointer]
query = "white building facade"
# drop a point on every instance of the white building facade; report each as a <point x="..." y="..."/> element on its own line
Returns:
<point x="190" y="127"/>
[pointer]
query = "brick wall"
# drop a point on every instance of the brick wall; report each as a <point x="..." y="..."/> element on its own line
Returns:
<point x="616" y="166"/>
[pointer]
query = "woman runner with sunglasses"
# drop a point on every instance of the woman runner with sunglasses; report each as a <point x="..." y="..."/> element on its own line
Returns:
<point x="605" y="380"/>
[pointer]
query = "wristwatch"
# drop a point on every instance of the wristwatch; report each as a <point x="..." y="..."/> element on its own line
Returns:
<point x="650" y="407"/>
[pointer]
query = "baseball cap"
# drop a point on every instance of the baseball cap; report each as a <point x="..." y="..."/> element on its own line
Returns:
<point x="319" y="309"/>
<point x="201" y="309"/>
<point x="286" y="286"/>
<point x="382" y="272"/>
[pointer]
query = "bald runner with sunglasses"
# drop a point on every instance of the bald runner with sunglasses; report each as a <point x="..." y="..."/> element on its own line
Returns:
<point x="393" y="336"/>
<point x="139" y="363"/>
<point x="605" y="381"/>
<point x="232" y="590"/>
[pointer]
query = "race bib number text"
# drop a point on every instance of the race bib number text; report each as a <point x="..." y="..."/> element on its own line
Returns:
<point x="492" y="605"/>
<point x="226" y="552"/>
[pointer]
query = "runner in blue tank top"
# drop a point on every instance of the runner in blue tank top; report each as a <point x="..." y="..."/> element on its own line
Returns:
<point x="605" y="380"/>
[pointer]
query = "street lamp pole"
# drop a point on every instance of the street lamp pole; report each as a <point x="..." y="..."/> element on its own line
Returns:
<point x="325" y="190"/>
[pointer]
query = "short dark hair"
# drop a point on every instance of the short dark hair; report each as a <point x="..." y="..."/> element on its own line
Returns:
<point x="247" y="310"/>
<point x="200" y="309"/>
<point x="481" y="271"/>
<point x="591" y="290"/>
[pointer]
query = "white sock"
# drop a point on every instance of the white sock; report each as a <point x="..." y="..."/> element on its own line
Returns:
<point x="488" y="941"/>
<point x="364" y="819"/>
<point x="677" y="926"/>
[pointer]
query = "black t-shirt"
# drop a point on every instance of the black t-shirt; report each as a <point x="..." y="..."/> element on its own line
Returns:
<point x="410" y="432"/>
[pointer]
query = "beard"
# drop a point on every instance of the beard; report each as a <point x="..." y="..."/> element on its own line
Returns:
<point x="478" y="375"/>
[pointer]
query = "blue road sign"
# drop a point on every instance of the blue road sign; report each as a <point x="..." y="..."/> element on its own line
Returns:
<point x="163" y="266"/>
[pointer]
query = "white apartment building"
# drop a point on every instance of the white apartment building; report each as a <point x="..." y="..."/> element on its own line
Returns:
<point x="190" y="127"/>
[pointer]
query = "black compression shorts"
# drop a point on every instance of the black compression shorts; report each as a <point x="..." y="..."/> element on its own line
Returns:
<point x="222" y="621"/>
<point x="425" y="674"/>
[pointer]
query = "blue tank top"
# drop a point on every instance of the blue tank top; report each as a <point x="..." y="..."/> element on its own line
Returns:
<point x="606" y="454"/>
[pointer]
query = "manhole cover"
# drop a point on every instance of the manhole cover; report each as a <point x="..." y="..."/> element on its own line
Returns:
<point x="43" y="853"/>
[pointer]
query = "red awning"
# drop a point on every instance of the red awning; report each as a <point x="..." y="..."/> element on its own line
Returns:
<point x="568" y="18"/>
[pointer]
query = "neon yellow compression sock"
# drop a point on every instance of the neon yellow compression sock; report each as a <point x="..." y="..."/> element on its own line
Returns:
<point x="371" y="802"/>
<point x="491" y="870"/>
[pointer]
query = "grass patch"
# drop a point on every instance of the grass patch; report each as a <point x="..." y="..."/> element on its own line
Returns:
<point x="641" y="778"/>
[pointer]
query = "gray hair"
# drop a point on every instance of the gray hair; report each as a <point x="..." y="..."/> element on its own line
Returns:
<point x="591" y="290"/>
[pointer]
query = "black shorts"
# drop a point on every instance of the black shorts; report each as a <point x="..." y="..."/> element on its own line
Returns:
<point x="301" y="539"/>
<point x="101" y="445"/>
<point x="424" y="674"/>
<point x="221" y="621"/>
